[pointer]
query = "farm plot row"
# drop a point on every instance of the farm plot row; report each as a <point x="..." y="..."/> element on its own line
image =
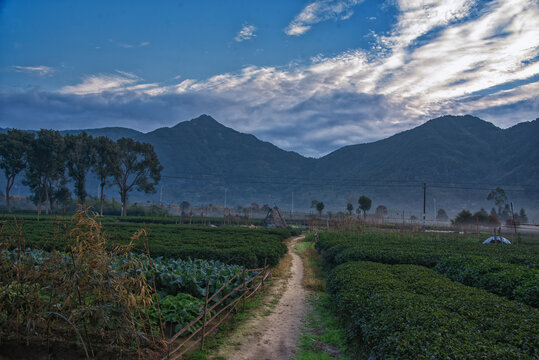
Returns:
<point x="510" y="271"/>
<point x="232" y="245"/>
<point x="110" y="294"/>
<point x="411" y="312"/>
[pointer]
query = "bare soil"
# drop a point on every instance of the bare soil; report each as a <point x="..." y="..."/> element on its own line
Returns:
<point x="275" y="336"/>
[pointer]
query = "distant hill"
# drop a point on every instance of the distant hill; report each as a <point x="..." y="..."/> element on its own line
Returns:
<point x="449" y="149"/>
<point x="454" y="155"/>
<point x="203" y="146"/>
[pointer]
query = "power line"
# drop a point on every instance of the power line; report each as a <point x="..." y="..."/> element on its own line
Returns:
<point x="482" y="189"/>
<point x="341" y="181"/>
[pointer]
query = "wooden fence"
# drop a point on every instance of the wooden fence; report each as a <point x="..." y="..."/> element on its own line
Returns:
<point x="176" y="346"/>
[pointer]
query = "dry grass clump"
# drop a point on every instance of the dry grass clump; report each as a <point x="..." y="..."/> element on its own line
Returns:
<point x="88" y="295"/>
<point x="283" y="270"/>
<point x="313" y="278"/>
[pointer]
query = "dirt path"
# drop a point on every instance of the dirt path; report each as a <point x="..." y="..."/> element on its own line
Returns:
<point x="276" y="335"/>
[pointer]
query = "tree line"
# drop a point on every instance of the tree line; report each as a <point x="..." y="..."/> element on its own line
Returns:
<point x="503" y="213"/>
<point x="364" y="204"/>
<point x="49" y="160"/>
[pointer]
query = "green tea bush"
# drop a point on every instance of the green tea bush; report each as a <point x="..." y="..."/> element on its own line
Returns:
<point x="517" y="282"/>
<point x="419" y="249"/>
<point x="411" y="312"/>
<point x="510" y="271"/>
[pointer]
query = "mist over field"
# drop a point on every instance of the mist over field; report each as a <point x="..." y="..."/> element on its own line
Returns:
<point x="459" y="159"/>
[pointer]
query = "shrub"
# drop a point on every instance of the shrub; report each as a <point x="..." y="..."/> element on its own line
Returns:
<point x="517" y="282"/>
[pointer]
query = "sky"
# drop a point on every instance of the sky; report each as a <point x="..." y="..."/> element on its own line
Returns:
<point x="308" y="76"/>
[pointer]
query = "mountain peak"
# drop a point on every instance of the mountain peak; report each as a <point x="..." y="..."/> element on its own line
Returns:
<point x="205" y="121"/>
<point x="462" y="119"/>
<point x="204" y="117"/>
<point x="463" y="122"/>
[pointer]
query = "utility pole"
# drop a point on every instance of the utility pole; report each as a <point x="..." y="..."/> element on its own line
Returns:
<point x="435" y="212"/>
<point x="514" y="224"/>
<point x="161" y="196"/>
<point x="292" y="202"/>
<point x="424" y="203"/>
<point x="224" y="210"/>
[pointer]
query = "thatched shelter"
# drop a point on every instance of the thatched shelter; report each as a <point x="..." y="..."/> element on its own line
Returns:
<point x="274" y="218"/>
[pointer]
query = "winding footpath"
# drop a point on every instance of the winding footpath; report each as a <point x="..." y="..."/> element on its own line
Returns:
<point x="276" y="335"/>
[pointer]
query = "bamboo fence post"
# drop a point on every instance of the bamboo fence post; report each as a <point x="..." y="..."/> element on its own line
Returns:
<point x="244" y="290"/>
<point x="205" y="313"/>
<point x="265" y="264"/>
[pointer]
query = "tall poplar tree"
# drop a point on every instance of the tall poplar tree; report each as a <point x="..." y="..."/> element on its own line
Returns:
<point x="139" y="169"/>
<point x="80" y="154"/>
<point x="14" y="147"/>
<point x="107" y="163"/>
<point x="45" y="173"/>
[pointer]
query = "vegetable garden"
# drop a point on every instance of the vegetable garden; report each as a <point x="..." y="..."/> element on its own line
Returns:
<point x="111" y="293"/>
<point x="421" y="296"/>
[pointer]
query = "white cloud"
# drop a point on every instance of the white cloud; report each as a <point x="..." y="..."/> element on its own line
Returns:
<point x="491" y="49"/>
<point x="467" y="51"/>
<point x="39" y="70"/>
<point x="460" y="58"/>
<point x="247" y="32"/>
<point x="128" y="45"/>
<point x="318" y="11"/>
<point x="127" y="74"/>
<point x="121" y="82"/>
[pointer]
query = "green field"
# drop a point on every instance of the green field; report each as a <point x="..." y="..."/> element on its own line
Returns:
<point x="250" y="247"/>
<point x="94" y="275"/>
<point x="434" y="297"/>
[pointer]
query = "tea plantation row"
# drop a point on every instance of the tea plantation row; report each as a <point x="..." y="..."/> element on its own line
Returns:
<point x="396" y="307"/>
<point x="419" y="249"/>
<point x="411" y="312"/>
<point x="510" y="271"/>
<point x="232" y="245"/>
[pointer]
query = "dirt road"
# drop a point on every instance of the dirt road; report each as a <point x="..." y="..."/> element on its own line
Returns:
<point x="275" y="336"/>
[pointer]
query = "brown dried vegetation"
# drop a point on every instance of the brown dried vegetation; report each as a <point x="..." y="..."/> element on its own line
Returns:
<point x="90" y="297"/>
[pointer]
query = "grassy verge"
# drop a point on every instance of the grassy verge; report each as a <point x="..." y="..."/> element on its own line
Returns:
<point x="313" y="277"/>
<point x="323" y="336"/>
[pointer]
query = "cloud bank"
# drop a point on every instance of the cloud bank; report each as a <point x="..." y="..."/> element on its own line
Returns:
<point x="462" y="57"/>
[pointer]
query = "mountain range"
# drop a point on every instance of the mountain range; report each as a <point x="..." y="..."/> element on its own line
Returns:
<point x="458" y="157"/>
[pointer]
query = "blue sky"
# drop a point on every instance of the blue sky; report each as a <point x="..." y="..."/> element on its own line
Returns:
<point x="309" y="76"/>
